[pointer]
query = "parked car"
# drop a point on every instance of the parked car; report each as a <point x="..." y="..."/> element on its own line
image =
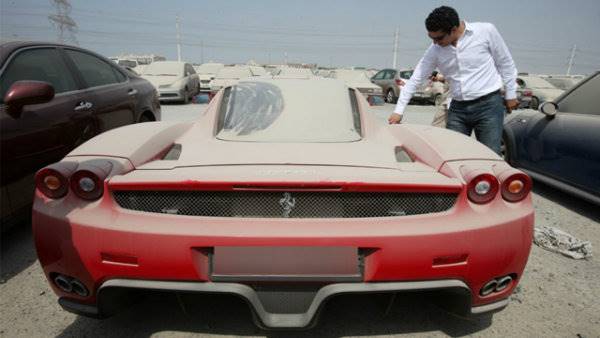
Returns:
<point x="285" y="202"/>
<point x="174" y="80"/>
<point x="358" y="79"/>
<point x="228" y="76"/>
<point x="390" y="81"/>
<point x="293" y="72"/>
<point x="53" y="98"/>
<point x="563" y="82"/>
<point x="541" y="90"/>
<point x="560" y="144"/>
<point x="206" y="73"/>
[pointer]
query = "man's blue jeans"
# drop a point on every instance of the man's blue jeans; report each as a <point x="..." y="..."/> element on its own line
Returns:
<point x="485" y="116"/>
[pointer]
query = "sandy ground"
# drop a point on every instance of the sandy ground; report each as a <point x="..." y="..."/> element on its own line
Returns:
<point x="558" y="296"/>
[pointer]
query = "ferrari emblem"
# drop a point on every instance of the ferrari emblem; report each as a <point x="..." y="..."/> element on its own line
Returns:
<point x="287" y="203"/>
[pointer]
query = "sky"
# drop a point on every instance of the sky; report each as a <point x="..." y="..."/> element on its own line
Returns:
<point x="541" y="34"/>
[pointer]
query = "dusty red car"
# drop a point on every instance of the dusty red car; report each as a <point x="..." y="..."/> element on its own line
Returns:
<point x="285" y="202"/>
<point x="52" y="99"/>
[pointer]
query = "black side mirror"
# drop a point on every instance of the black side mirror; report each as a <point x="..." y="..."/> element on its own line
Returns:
<point x="22" y="93"/>
<point x="549" y="109"/>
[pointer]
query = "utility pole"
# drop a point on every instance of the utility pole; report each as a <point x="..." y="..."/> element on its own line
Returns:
<point x="571" y="58"/>
<point x="285" y="56"/>
<point x="395" y="48"/>
<point x="63" y="22"/>
<point x="201" y="51"/>
<point x="178" y="38"/>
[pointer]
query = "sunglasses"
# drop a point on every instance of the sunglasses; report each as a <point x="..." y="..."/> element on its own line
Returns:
<point x="439" y="38"/>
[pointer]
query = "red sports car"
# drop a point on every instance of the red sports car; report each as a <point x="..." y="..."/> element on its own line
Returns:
<point x="285" y="192"/>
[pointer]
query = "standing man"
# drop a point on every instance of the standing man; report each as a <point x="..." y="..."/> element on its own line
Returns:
<point x="476" y="63"/>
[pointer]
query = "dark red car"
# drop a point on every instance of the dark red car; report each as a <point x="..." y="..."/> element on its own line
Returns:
<point x="53" y="98"/>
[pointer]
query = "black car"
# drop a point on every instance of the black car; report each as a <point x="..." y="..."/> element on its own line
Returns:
<point x="560" y="144"/>
<point x="54" y="97"/>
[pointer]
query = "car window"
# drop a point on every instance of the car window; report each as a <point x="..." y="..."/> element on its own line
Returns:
<point x="406" y="74"/>
<point x="95" y="71"/>
<point x="379" y="75"/>
<point x="583" y="99"/>
<point x="389" y="74"/>
<point x="40" y="64"/>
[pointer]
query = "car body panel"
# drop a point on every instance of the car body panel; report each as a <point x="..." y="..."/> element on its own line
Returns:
<point x="44" y="133"/>
<point x="106" y="242"/>
<point x="562" y="147"/>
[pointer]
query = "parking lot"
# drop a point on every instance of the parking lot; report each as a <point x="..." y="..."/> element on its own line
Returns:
<point x="557" y="296"/>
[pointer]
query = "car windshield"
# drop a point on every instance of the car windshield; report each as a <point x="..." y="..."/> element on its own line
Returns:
<point x="233" y="73"/>
<point x="269" y="111"/>
<point x="209" y="68"/>
<point x="164" y="69"/>
<point x="351" y="75"/>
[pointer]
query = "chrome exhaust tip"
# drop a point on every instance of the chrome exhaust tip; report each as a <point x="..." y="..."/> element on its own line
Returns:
<point x="63" y="283"/>
<point x="488" y="288"/>
<point x="79" y="288"/>
<point x="503" y="283"/>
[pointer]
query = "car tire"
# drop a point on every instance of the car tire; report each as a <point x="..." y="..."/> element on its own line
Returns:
<point x="390" y="97"/>
<point x="437" y="100"/>
<point x="186" y="96"/>
<point x="505" y="149"/>
<point x="145" y="118"/>
<point x="535" y="103"/>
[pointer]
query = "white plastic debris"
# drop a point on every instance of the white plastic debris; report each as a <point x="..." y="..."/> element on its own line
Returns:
<point x="556" y="240"/>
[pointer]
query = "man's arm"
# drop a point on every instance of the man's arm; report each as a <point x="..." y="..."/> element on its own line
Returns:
<point x="504" y="63"/>
<point x="422" y="72"/>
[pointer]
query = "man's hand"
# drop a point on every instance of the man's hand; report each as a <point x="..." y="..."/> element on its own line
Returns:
<point x="511" y="105"/>
<point x="394" y="118"/>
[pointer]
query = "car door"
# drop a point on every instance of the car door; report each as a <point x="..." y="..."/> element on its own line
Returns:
<point x="566" y="146"/>
<point x="114" y="96"/>
<point x="42" y="133"/>
<point x="39" y="134"/>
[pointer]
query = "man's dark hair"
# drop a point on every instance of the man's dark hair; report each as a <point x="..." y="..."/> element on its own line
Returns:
<point x="443" y="19"/>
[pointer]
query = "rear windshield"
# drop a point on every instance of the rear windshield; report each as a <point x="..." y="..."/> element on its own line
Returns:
<point x="164" y="69"/>
<point x="286" y="111"/>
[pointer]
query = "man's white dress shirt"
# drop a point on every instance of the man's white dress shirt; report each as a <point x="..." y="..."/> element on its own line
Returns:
<point x="478" y="65"/>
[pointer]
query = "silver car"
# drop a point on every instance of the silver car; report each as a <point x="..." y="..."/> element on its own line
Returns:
<point x="174" y="80"/>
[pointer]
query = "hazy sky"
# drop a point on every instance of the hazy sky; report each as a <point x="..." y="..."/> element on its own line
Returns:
<point x="540" y="34"/>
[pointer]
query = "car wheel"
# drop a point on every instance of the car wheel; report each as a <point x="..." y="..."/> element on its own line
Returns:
<point x="504" y="149"/>
<point x="535" y="103"/>
<point x="145" y="118"/>
<point x="437" y="100"/>
<point x="389" y="97"/>
<point x="186" y="96"/>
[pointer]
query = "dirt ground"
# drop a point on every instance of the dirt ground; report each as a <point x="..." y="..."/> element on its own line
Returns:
<point x="557" y="297"/>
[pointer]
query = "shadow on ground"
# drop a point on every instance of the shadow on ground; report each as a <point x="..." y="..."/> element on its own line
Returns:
<point x="575" y="204"/>
<point x="17" y="251"/>
<point x="349" y="315"/>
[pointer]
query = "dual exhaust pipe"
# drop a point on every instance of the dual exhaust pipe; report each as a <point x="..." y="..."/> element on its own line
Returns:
<point x="496" y="285"/>
<point x="71" y="285"/>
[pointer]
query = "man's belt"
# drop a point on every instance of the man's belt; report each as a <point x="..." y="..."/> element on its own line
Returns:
<point x="479" y="99"/>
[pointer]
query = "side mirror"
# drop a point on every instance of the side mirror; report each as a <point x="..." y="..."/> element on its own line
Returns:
<point x="23" y="93"/>
<point x="549" y="109"/>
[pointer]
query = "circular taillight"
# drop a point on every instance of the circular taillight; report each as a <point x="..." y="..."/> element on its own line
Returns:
<point x="516" y="187"/>
<point x="482" y="188"/>
<point x="87" y="185"/>
<point x="51" y="183"/>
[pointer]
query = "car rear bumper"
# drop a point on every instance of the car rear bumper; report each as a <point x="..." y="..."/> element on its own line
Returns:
<point x="260" y="303"/>
<point x="102" y="242"/>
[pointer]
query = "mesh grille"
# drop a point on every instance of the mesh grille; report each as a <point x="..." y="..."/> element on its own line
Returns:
<point x="270" y="204"/>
